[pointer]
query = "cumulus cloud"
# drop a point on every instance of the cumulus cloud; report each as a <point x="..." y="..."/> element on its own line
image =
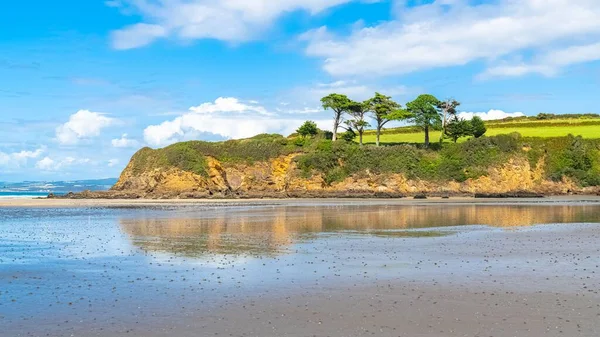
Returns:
<point x="82" y="124"/>
<point x="490" y="115"/>
<point x="232" y="21"/>
<point x="124" y="142"/>
<point x="45" y="164"/>
<point x="18" y="159"/>
<point x="547" y="64"/>
<point x="49" y="164"/>
<point x="229" y="104"/>
<point x="137" y="35"/>
<point x="455" y="33"/>
<point x="216" y="118"/>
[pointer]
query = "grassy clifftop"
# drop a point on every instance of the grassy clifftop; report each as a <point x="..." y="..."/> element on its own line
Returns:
<point x="587" y="126"/>
<point x="192" y="156"/>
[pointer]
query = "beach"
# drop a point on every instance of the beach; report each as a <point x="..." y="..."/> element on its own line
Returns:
<point x="63" y="202"/>
<point x="336" y="267"/>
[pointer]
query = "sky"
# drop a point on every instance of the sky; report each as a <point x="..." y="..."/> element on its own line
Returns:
<point x="85" y="84"/>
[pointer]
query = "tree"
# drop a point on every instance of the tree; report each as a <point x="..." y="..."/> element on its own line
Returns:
<point x="385" y="110"/>
<point x="339" y="104"/>
<point x="458" y="128"/>
<point x="478" y="127"/>
<point x="425" y="114"/>
<point x="449" y="112"/>
<point x="309" y="128"/>
<point x="358" y="112"/>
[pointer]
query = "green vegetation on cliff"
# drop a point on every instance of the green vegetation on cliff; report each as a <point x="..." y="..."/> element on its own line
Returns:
<point x="571" y="157"/>
<point x="191" y="156"/>
<point x="575" y="158"/>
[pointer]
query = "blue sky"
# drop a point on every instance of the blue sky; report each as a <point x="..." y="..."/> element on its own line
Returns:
<point x="84" y="84"/>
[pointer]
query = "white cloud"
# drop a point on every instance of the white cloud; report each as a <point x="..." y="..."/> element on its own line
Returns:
<point x="124" y="142"/>
<point x="113" y="162"/>
<point x="232" y="20"/>
<point x="307" y="96"/>
<point x="547" y="64"/>
<point x="82" y="124"/>
<point x="228" y="104"/>
<point x="356" y="90"/>
<point x="515" y="70"/>
<point x="303" y="111"/>
<point x="216" y="118"/>
<point x="490" y="115"/>
<point x="137" y="35"/>
<point x="18" y="159"/>
<point x="49" y="164"/>
<point x="455" y="33"/>
<point x="46" y="164"/>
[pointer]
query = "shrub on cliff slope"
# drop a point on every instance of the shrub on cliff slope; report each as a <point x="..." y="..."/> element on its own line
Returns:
<point x="191" y="156"/>
<point x="571" y="157"/>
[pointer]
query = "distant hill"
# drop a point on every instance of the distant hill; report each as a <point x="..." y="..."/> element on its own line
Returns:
<point x="38" y="188"/>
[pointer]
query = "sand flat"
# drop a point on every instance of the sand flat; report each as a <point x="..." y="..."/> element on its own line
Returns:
<point x="67" y="203"/>
<point x="303" y="268"/>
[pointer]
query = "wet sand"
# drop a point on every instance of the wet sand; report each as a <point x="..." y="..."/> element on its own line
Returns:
<point x="304" y="270"/>
<point x="503" y="294"/>
<point x="402" y="309"/>
<point x="43" y="202"/>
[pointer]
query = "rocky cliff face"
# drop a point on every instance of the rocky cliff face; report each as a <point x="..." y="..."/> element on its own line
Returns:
<point x="281" y="178"/>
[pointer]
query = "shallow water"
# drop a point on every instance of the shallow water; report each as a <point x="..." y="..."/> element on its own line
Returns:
<point x="95" y="271"/>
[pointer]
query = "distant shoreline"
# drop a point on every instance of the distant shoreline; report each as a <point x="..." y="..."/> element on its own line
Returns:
<point x="83" y="203"/>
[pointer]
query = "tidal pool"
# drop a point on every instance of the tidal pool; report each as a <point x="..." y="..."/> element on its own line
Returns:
<point x="115" y="271"/>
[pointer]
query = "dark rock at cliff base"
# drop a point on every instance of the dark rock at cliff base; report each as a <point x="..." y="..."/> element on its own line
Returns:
<point x="420" y="196"/>
<point x="98" y="195"/>
<point x="519" y="194"/>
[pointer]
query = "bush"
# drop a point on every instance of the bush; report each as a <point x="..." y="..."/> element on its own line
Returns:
<point x="458" y="129"/>
<point x="348" y="136"/>
<point x="309" y="128"/>
<point x="478" y="128"/>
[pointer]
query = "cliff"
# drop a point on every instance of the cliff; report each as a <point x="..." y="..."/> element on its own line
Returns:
<point x="274" y="166"/>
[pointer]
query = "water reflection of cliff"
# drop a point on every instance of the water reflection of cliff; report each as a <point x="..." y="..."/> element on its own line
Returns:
<point x="268" y="231"/>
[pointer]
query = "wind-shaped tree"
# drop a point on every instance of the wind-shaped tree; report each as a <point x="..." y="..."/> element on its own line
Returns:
<point x="449" y="112"/>
<point x="340" y="105"/>
<point x="385" y="110"/>
<point x="425" y="114"/>
<point x="358" y="112"/>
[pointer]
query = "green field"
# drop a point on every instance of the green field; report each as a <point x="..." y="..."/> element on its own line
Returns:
<point x="545" y="129"/>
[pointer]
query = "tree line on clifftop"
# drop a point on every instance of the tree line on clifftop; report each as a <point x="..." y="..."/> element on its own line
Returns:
<point x="426" y="112"/>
